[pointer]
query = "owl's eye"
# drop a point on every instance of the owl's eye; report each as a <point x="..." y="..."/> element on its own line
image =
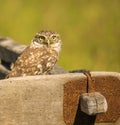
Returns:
<point x="54" y="38"/>
<point x="42" y="38"/>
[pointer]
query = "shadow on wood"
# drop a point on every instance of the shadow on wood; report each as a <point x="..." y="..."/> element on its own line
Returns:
<point x="83" y="119"/>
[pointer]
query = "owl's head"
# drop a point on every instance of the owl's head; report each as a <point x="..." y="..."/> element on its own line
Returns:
<point x="47" y="39"/>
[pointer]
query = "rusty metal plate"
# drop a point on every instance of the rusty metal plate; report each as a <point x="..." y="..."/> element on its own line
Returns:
<point x="109" y="86"/>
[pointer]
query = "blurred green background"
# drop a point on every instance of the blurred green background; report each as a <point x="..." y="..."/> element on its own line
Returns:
<point x="89" y="29"/>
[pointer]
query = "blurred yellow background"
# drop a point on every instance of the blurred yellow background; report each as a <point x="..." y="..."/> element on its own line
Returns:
<point x="89" y="29"/>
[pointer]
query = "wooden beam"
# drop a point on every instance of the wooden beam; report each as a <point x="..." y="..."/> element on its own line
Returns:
<point x="9" y="49"/>
<point x="3" y="71"/>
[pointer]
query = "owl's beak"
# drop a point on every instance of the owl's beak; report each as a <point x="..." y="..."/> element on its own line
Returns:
<point x="48" y="43"/>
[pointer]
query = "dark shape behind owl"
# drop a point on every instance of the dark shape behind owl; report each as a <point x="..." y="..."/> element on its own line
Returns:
<point x="40" y="57"/>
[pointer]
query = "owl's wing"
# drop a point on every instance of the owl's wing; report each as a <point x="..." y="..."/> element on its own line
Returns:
<point x="23" y="62"/>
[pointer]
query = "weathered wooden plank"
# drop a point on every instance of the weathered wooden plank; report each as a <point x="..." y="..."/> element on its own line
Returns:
<point x="3" y="71"/>
<point x="38" y="100"/>
<point x="93" y="103"/>
<point x="9" y="49"/>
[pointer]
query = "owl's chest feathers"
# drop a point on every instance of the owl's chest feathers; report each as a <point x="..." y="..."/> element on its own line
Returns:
<point x="36" y="60"/>
<point x="39" y="52"/>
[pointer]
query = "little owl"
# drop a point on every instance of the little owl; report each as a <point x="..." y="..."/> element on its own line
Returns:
<point x="38" y="58"/>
